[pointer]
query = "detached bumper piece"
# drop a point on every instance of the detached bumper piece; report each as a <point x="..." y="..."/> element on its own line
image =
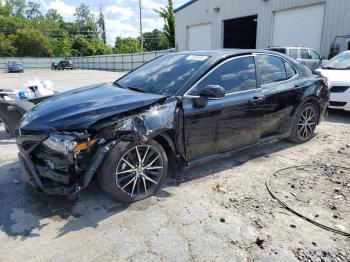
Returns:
<point x="54" y="173"/>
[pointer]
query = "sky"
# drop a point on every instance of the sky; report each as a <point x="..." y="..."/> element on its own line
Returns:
<point x="121" y="16"/>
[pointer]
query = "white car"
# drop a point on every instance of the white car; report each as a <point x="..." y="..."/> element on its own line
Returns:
<point x="337" y="70"/>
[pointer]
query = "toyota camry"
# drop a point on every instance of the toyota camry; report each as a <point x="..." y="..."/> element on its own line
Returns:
<point x="176" y="111"/>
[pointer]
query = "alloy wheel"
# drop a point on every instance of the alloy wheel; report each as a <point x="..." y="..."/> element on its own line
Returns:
<point x="139" y="170"/>
<point x="307" y="123"/>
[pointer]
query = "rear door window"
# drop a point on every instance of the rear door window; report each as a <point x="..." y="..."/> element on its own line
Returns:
<point x="293" y="53"/>
<point x="304" y="53"/>
<point x="234" y="76"/>
<point x="271" y="68"/>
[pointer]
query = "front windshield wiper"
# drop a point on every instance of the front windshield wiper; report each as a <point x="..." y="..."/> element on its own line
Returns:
<point x="129" y="87"/>
<point x="136" y="89"/>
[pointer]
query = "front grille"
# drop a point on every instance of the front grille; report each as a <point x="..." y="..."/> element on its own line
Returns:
<point x="333" y="103"/>
<point x="339" y="89"/>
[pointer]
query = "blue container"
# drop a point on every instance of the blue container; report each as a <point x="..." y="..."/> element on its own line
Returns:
<point x="22" y="94"/>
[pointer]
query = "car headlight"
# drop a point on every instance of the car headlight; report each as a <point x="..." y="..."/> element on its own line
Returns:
<point x="66" y="143"/>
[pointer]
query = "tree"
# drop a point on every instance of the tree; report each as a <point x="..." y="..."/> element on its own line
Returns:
<point x="18" y="7"/>
<point x="102" y="26"/>
<point x="6" y="9"/>
<point x="167" y="13"/>
<point x="33" y="10"/>
<point x="63" y="46"/>
<point x="85" y="21"/>
<point x="127" y="45"/>
<point x="31" y="42"/>
<point x="82" y="47"/>
<point x="155" y="40"/>
<point x="6" y="47"/>
<point x="53" y="15"/>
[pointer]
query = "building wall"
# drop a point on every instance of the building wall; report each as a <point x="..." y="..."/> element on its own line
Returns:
<point x="336" y="21"/>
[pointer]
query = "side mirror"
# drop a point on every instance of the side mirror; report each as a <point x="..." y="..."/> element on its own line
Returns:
<point x="212" y="91"/>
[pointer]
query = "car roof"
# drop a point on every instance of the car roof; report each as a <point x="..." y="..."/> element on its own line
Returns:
<point x="222" y="53"/>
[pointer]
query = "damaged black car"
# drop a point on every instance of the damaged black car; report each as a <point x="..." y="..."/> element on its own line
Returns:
<point x="179" y="110"/>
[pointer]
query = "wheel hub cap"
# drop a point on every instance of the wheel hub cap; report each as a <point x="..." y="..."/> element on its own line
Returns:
<point x="139" y="170"/>
<point x="306" y="123"/>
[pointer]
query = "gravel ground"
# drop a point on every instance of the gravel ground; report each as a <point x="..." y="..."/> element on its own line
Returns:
<point x="217" y="212"/>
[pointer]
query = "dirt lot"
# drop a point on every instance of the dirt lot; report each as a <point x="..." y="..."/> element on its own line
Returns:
<point x="218" y="212"/>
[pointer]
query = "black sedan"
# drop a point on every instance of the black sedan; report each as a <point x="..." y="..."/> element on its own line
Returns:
<point x="175" y="111"/>
<point x="65" y="64"/>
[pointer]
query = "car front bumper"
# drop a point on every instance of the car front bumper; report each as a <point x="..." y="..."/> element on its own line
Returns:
<point x="340" y="100"/>
<point x="50" y="180"/>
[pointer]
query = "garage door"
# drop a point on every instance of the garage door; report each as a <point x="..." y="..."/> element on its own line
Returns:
<point x="199" y="37"/>
<point x="300" y="27"/>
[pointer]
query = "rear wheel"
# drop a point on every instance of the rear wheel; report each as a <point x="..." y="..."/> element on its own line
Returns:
<point x="132" y="172"/>
<point x="305" y="123"/>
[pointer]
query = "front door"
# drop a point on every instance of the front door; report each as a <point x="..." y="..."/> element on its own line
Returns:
<point x="230" y="123"/>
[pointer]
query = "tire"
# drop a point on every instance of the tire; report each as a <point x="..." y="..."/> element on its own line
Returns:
<point x="119" y="183"/>
<point x="304" y="129"/>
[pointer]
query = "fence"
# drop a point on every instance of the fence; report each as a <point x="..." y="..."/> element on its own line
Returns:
<point x="30" y="62"/>
<point x="114" y="62"/>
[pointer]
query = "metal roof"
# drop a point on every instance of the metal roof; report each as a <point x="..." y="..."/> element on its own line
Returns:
<point x="184" y="5"/>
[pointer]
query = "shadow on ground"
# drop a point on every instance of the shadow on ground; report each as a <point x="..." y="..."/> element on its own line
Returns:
<point x="338" y="116"/>
<point x="24" y="211"/>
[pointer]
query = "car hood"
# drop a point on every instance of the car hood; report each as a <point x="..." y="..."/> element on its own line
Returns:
<point x="336" y="75"/>
<point x="78" y="109"/>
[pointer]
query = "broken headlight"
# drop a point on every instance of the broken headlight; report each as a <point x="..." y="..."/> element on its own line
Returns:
<point x="66" y="143"/>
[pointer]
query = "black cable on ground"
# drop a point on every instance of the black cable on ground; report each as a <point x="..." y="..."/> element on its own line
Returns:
<point x="297" y="213"/>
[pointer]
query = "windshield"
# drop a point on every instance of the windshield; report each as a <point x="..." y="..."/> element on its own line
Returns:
<point x="339" y="62"/>
<point x="164" y="75"/>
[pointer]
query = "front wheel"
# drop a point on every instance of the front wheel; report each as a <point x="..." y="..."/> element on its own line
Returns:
<point x="304" y="123"/>
<point x="132" y="172"/>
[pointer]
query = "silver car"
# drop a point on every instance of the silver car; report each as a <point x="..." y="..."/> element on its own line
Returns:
<point x="306" y="56"/>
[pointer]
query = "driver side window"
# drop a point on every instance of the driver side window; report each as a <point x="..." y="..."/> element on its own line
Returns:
<point x="234" y="76"/>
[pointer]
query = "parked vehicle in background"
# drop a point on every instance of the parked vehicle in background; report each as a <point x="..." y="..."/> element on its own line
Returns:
<point x="337" y="70"/>
<point x="65" y="64"/>
<point x="306" y="56"/>
<point x="178" y="110"/>
<point x="14" y="67"/>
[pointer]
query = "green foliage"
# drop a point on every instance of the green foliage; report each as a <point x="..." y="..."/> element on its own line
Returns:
<point x="31" y="42"/>
<point x="53" y="15"/>
<point x="25" y="31"/>
<point x="62" y="47"/>
<point x="102" y="26"/>
<point x="6" y="48"/>
<point x="155" y="40"/>
<point x="167" y="13"/>
<point x="127" y="45"/>
<point x="33" y="10"/>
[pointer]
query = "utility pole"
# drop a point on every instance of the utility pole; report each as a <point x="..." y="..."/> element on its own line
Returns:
<point x="141" y="34"/>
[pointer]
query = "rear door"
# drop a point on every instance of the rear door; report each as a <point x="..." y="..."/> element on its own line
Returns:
<point x="226" y="124"/>
<point x="279" y="85"/>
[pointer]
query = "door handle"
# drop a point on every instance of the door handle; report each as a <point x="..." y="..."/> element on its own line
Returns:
<point x="257" y="100"/>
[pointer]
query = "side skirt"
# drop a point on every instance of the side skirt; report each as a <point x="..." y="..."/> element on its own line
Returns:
<point x="211" y="158"/>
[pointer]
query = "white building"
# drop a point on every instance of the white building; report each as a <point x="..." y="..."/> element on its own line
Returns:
<point x="208" y="24"/>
